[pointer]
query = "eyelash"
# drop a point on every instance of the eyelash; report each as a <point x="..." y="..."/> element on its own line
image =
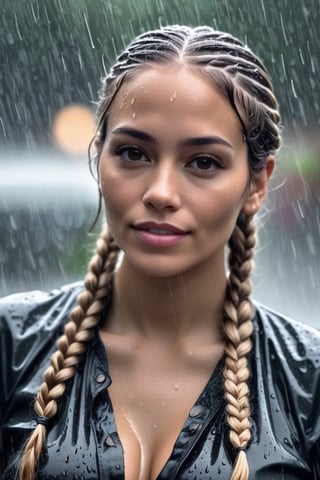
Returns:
<point x="215" y="162"/>
<point x="124" y="150"/>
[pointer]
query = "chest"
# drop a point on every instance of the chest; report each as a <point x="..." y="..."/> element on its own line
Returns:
<point x="152" y="396"/>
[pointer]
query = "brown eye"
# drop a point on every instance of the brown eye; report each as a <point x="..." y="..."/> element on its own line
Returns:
<point x="204" y="164"/>
<point x="131" y="154"/>
<point x="134" y="154"/>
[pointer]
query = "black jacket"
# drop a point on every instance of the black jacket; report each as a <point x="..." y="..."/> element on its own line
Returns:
<point x="82" y="440"/>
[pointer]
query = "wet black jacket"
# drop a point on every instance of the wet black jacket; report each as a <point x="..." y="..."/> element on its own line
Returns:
<point x="83" y="441"/>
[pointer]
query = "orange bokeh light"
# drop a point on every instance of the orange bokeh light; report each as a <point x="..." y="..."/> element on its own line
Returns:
<point x="73" y="128"/>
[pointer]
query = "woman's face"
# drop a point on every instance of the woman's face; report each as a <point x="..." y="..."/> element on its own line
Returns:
<point x="173" y="170"/>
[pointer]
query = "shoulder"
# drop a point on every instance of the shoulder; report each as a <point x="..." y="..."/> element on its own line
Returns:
<point x="28" y="312"/>
<point x="290" y="336"/>
<point x="287" y="367"/>
<point x="30" y="323"/>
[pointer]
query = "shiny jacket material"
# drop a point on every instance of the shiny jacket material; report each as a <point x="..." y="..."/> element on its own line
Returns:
<point x="82" y="440"/>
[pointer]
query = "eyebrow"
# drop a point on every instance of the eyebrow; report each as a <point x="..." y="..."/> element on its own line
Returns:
<point x="189" y="142"/>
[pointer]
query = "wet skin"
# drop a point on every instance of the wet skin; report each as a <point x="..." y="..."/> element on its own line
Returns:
<point x="174" y="176"/>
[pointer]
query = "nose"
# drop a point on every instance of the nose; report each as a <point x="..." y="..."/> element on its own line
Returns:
<point x="162" y="191"/>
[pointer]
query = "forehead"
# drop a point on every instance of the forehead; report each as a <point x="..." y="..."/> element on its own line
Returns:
<point x="177" y="92"/>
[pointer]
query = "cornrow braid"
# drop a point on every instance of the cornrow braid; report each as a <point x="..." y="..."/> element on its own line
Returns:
<point x="238" y="328"/>
<point x="232" y="67"/>
<point x="71" y="346"/>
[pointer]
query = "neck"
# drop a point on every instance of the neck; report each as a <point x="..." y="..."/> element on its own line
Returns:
<point x="169" y="308"/>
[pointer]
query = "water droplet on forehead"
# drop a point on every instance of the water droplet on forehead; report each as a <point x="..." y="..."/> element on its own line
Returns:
<point x="173" y="97"/>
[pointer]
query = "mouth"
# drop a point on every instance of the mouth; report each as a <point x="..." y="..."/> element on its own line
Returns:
<point x="160" y="228"/>
<point x="160" y="234"/>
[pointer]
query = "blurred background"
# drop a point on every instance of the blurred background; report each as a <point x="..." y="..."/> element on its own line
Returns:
<point x="53" y="54"/>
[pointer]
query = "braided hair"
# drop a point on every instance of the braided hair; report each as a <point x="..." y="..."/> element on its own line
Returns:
<point x="244" y="81"/>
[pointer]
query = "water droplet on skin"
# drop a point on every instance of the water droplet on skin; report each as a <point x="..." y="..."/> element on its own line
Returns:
<point x="176" y="386"/>
<point x="133" y="115"/>
<point x="155" y="426"/>
<point x="132" y="101"/>
<point x="190" y="353"/>
<point x="173" y="97"/>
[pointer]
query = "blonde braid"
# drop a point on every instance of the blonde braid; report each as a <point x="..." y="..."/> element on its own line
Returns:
<point x="238" y="328"/>
<point x="70" y="347"/>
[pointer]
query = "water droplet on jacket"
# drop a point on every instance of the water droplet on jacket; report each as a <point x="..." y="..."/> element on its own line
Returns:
<point x="303" y="369"/>
<point x="287" y="442"/>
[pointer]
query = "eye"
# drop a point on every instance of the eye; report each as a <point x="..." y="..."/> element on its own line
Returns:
<point x="131" y="154"/>
<point x="204" y="164"/>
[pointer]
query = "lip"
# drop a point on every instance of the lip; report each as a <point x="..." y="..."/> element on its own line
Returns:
<point x="159" y="234"/>
<point x="171" y="229"/>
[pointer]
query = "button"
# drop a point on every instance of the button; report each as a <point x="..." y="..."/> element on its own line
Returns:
<point x="193" y="427"/>
<point x="195" y="411"/>
<point x="100" y="378"/>
<point x="110" y="442"/>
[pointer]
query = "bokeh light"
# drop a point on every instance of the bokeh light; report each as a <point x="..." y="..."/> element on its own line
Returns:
<point x="73" y="128"/>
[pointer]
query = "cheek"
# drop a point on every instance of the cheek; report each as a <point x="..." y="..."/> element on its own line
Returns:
<point x="117" y="194"/>
<point x="221" y="211"/>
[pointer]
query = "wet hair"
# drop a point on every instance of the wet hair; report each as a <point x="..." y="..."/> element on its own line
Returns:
<point x="244" y="81"/>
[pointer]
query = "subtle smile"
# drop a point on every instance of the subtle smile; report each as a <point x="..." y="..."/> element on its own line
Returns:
<point x="159" y="235"/>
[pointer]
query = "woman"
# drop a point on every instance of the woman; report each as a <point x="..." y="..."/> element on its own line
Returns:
<point x="165" y="369"/>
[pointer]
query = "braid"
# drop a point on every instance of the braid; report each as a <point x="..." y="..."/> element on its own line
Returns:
<point x="238" y="329"/>
<point x="71" y="346"/>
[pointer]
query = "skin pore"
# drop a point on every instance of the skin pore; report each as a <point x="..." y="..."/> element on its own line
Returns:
<point x="174" y="176"/>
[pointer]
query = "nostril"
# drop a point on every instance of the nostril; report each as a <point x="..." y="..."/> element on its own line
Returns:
<point x="160" y="200"/>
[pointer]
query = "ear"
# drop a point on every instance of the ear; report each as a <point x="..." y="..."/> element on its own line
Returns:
<point x="258" y="188"/>
<point x="97" y="146"/>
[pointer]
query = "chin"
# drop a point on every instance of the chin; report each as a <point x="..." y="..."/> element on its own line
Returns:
<point x="156" y="268"/>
